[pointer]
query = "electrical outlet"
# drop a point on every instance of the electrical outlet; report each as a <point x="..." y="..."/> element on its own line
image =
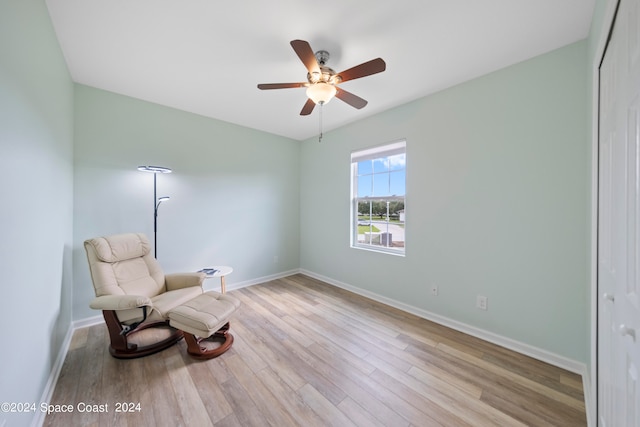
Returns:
<point x="434" y="290"/>
<point x="481" y="302"/>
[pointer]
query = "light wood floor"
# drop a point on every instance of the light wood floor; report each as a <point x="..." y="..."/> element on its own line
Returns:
<point x="309" y="354"/>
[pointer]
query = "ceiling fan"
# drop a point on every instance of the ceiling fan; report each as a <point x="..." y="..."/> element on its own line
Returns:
<point x="322" y="82"/>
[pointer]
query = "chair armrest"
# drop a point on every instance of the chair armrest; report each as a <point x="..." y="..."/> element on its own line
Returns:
<point x="183" y="280"/>
<point x="119" y="302"/>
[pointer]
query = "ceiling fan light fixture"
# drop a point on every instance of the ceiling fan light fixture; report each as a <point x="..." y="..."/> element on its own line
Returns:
<point x="321" y="93"/>
<point x="314" y="77"/>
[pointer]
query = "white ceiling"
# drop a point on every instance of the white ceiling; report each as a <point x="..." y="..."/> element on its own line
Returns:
<point x="207" y="56"/>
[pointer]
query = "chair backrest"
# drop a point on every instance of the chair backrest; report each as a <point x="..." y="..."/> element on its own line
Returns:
<point x="122" y="264"/>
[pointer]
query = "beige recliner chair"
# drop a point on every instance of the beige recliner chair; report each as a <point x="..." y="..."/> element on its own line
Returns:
<point x="134" y="295"/>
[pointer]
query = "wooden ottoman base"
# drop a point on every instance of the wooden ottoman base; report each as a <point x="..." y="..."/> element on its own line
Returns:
<point x="210" y="347"/>
<point x="204" y="320"/>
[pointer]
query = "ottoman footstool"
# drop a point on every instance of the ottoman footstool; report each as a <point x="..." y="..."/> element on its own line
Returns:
<point x="205" y="323"/>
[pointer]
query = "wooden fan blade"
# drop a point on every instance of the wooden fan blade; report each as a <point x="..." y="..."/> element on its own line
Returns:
<point x="306" y="55"/>
<point x="265" y="86"/>
<point x="308" y="107"/>
<point x="365" y="69"/>
<point x="351" y="99"/>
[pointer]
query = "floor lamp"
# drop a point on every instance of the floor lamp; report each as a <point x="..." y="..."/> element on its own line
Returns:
<point x="155" y="170"/>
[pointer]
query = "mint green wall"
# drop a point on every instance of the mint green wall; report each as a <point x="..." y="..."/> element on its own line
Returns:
<point x="597" y="23"/>
<point x="36" y="154"/>
<point x="497" y="203"/>
<point x="234" y="191"/>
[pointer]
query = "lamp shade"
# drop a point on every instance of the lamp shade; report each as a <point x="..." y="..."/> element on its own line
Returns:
<point x="154" y="169"/>
<point x="321" y="92"/>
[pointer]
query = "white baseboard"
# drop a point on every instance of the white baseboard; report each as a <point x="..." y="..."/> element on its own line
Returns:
<point x="89" y="321"/>
<point x="262" y="279"/>
<point x="526" y="349"/>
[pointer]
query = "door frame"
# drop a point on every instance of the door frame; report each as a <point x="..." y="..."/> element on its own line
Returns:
<point x="591" y="386"/>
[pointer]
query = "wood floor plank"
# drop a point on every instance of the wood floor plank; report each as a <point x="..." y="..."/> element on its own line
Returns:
<point x="211" y="392"/>
<point x="340" y="359"/>
<point x="114" y="387"/>
<point x="240" y="344"/>
<point x="230" y="420"/>
<point x="245" y="412"/>
<point x="533" y="410"/>
<point x="216" y="367"/>
<point x="351" y="384"/>
<point x="327" y="411"/>
<point x="423" y="368"/>
<point x="340" y="312"/>
<point x="471" y="410"/>
<point x="277" y="322"/>
<point x="272" y="411"/>
<point x="139" y="407"/>
<point x="309" y="354"/>
<point x="303" y="364"/>
<point x="192" y="408"/>
<point x="539" y="372"/>
<point x="572" y="381"/>
<point x="412" y="406"/>
<point x="351" y="325"/>
<point x="442" y="380"/>
<point x="282" y="300"/>
<point x="272" y="359"/>
<point x="289" y="399"/>
<point x="534" y="386"/>
<point x="359" y="416"/>
<point x="79" y="338"/>
<point x="323" y="328"/>
<point x="157" y="381"/>
<point x="95" y="372"/>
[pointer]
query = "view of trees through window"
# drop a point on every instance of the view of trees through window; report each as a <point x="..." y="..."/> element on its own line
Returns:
<point x="379" y="209"/>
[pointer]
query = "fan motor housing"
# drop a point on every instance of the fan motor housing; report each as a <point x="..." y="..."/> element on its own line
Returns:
<point x="322" y="56"/>
<point x="326" y="75"/>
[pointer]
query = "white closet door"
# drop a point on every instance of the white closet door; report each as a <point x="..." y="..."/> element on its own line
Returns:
<point x="619" y="224"/>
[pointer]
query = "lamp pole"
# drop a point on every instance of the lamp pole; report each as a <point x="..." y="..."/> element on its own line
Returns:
<point x="156" y="201"/>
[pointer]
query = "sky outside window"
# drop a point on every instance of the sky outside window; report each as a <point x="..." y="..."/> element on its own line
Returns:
<point x="384" y="176"/>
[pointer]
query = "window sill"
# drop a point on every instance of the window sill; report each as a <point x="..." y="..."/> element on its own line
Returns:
<point x="380" y="250"/>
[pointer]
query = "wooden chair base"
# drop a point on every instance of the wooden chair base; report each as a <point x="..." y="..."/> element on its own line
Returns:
<point x="207" y="348"/>
<point x="122" y="348"/>
<point x="200" y="348"/>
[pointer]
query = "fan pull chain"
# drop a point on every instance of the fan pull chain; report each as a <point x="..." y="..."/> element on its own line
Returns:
<point x="320" y="131"/>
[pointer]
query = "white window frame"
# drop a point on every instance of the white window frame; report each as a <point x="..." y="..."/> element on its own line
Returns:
<point x="381" y="151"/>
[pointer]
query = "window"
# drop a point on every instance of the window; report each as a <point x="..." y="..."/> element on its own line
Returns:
<point x="378" y="180"/>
